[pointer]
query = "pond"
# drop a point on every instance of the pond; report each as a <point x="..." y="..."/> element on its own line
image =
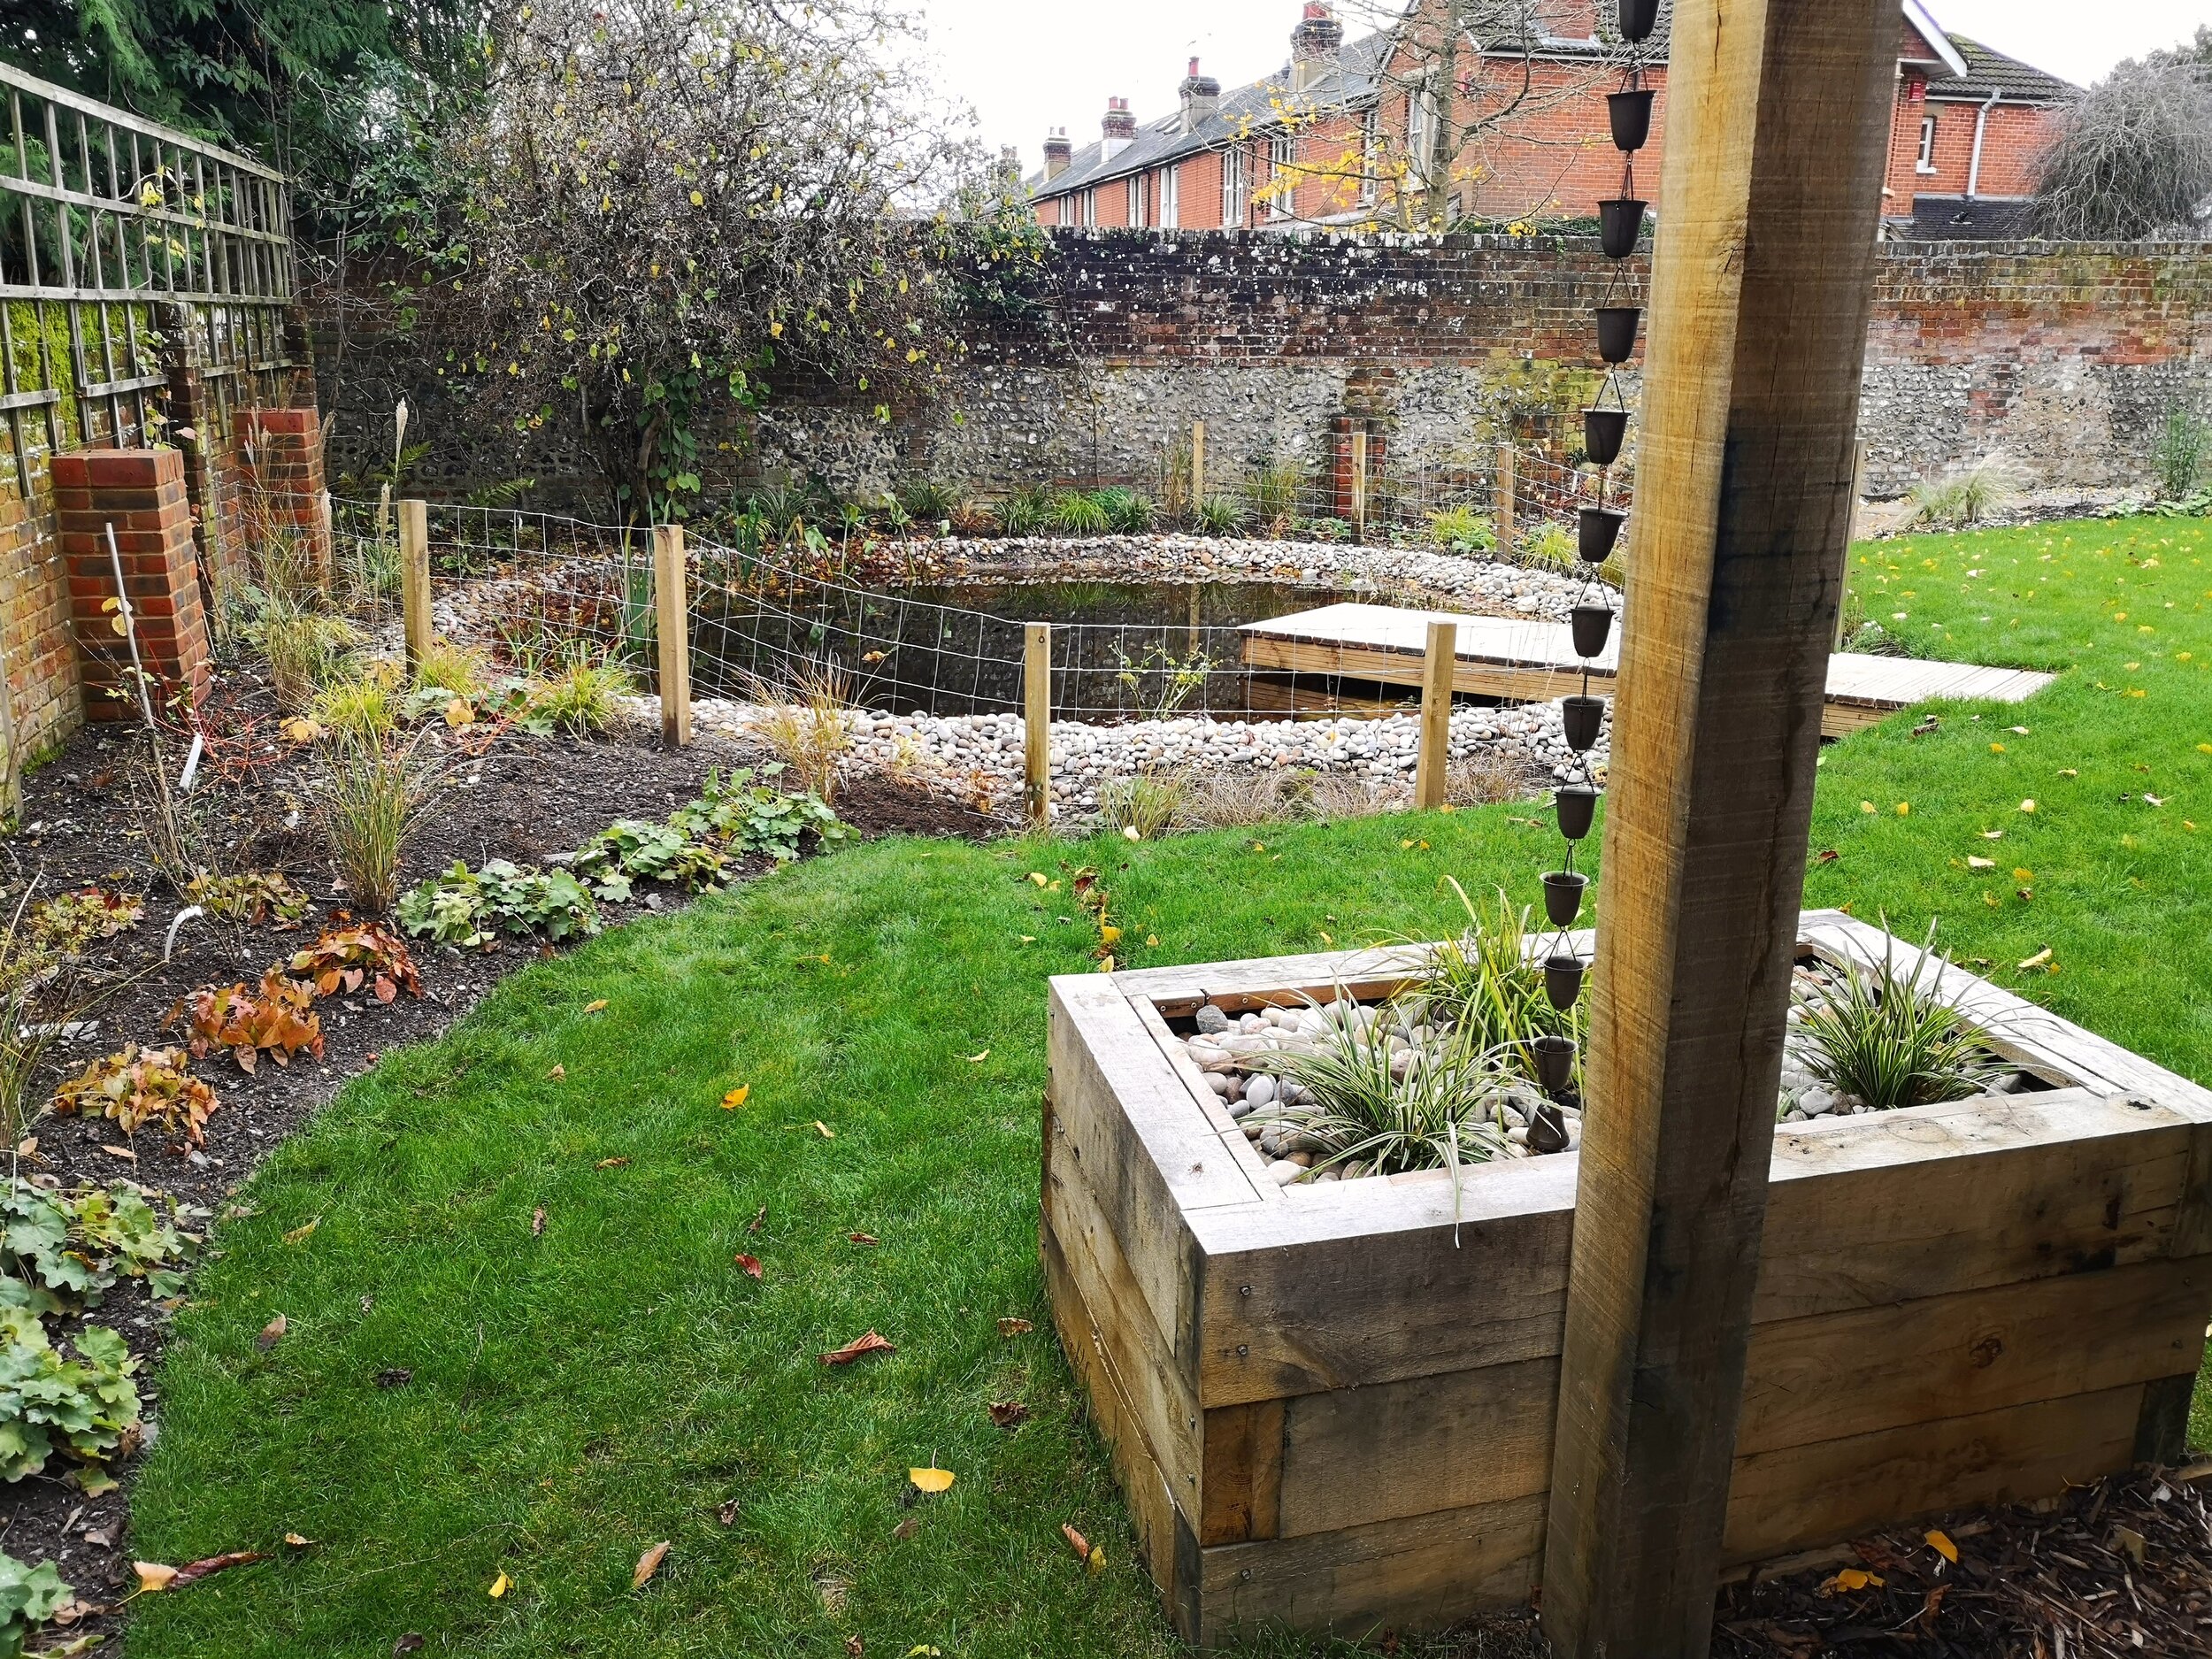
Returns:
<point x="1121" y="650"/>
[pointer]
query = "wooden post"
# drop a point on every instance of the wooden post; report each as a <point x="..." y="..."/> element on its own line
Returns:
<point x="1432" y="778"/>
<point x="1197" y="463"/>
<point x="1858" y="505"/>
<point x="1776" y="127"/>
<point x="326" y="543"/>
<point x="414" y="577"/>
<point x="671" y="618"/>
<point x="1359" y="484"/>
<point x="1506" y="491"/>
<point x="1037" y="723"/>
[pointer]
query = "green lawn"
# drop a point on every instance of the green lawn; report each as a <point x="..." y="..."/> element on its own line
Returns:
<point x="581" y="1395"/>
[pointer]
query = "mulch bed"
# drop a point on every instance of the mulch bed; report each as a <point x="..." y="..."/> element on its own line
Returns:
<point x="521" y="798"/>
<point x="2121" y="1567"/>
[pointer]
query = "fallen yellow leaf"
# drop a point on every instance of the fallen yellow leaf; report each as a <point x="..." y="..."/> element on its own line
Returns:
<point x="1981" y="863"/>
<point x="1869" y="807"/>
<point x="500" y="1587"/>
<point x="1852" y="1578"/>
<point x="153" y="1577"/>
<point x="931" y="1479"/>
<point x="300" y="1234"/>
<point x="827" y="1132"/>
<point x="1039" y="877"/>
<point x="2040" y="959"/>
<point x="737" y="1097"/>
<point x="1108" y="935"/>
<point x="594" y="1008"/>
<point x="556" y="1074"/>
<point x="2023" y="875"/>
<point x="299" y="729"/>
<point x="1107" y="966"/>
<point x="1940" y="1542"/>
<point x="978" y="1059"/>
<point x="1904" y="809"/>
<point x="1015" y="1326"/>
<point x="647" y="1564"/>
<point x="458" y="714"/>
<point x="297" y="1541"/>
<point x="1097" y="1559"/>
<point x="2027" y="806"/>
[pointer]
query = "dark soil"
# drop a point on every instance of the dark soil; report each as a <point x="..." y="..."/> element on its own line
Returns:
<point x="508" y="795"/>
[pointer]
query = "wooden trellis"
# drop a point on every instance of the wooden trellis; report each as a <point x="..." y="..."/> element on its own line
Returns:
<point x="126" y="248"/>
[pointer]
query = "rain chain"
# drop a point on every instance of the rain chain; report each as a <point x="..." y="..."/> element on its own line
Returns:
<point x="1604" y="432"/>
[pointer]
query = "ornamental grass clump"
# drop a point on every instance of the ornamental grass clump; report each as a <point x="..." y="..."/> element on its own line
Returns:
<point x="304" y="648"/>
<point x="580" y="698"/>
<point x="803" y="721"/>
<point x="1362" y="1100"/>
<point x="1483" y="983"/>
<point x="370" y="796"/>
<point x="1146" y="806"/>
<point x="1885" y="1037"/>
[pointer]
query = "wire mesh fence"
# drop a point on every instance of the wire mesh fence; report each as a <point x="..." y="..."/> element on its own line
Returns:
<point x="541" y="590"/>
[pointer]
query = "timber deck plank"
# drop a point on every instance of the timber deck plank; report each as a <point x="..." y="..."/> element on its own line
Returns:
<point x="1531" y="661"/>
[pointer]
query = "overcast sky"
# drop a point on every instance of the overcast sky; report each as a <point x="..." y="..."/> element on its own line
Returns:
<point x="1025" y="67"/>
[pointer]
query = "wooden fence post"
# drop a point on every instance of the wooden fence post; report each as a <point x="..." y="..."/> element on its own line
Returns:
<point x="1359" y="484"/>
<point x="1433" y="777"/>
<point x="1858" y="507"/>
<point x="414" y="577"/>
<point x="671" y="616"/>
<point x="326" y="543"/>
<point x="1197" y="463"/>
<point x="1505" y="503"/>
<point x="1778" y="121"/>
<point x="1037" y="724"/>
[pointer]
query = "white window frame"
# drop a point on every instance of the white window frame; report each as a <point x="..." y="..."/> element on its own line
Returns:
<point x="1927" y="162"/>
<point x="1235" y="185"/>
<point x="1370" y="156"/>
<point x="1421" y="115"/>
<point x="1282" y="157"/>
<point x="1171" y="198"/>
<point x="1090" y="208"/>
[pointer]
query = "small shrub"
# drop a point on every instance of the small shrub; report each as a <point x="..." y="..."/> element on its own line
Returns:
<point x="253" y="896"/>
<point x="1462" y="530"/>
<point x="370" y="797"/>
<point x="1327" y="530"/>
<point x="1486" y="778"/>
<point x="1485" y="984"/>
<point x="84" y="1406"/>
<point x="1885" y="1038"/>
<point x="747" y="817"/>
<point x="304" y="648"/>
<point x="926" y="502"/>
<point x="630" y="850"/>
<point x="804" y="723"/>
<point x="70" y="1248"/>
<point x="782" y="508"/>
<point x="1128" y="512"/>
<point x="471" y="909"/>
<point x="277" y="1019"/>
<point x="66" y="923"/>
<point x="974" y="518"/>
<point x="344" y="958"/>
<point x="1150" y="803"/>
<point x="139" y="1086"/>
<point x="580" y="699"/>
<point x="1074" y="513"/>
<point x="1968" y="496"/>
<point x="1220" y="514"/>
<point x="369" y="570"/>
<point x="1024" y="512"/>
<point x="2184" y="446"/>
<point x="28" y="1597"/>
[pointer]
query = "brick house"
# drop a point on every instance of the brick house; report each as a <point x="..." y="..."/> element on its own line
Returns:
<point x="1339" y="135"/>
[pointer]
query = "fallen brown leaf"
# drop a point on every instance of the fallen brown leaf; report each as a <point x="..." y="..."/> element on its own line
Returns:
<point x="597" y="1006"/>
<point x="299" y="1542"/>
<point x="859" y="1346"/>
<point x="397" y="1376"/>
<point x="863" y="1238"/>
<point x="647" y="1564"/>
<point x="301" y="1234"/>
<point x="272" y="1333"/>
<point x="853" y="1649"/>
<point x="728" y="1513"/>
<point x="537" y="1222"/>
<point x="1015" y="1327"/>
<point x="906" y="1528"/>
<point x="1080" y="1544"/>
<point x="153" y="1577"/>
<point x="556" y="1074"/>
<point x="120" y="1152"/>
<point x="412" y="1642"/>
<point x="610" y="1163"/>
<point x="751" y="1265"/>
<point x="760" y="1219"/>
<point x="1008" y="1414"/>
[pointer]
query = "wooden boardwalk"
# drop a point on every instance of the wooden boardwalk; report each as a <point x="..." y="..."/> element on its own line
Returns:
<point x="1533" y="662"/>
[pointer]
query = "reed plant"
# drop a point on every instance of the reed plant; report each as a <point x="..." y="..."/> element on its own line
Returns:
<point x="803" y="721"/>
<point x="370" y="794"/>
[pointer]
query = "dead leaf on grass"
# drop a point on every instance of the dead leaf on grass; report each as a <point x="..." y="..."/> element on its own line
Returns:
<point x="978" y="1059"/>
<point x="751" y="1265"/>
<point x="1015" y="1327"/>
<point x="760" y="1219"/>
<point x="858" y="1347"/>
<point x="1008" y="1414"/>
<point x="301" y="1234"/>
<point x="862" y="1238"/>
<point x="597" y="1006"/>
<point x="556" y="1074"/>
<point x="853" y="1649"/>
<point x="610" y="1163"/>
<point x="736" y="1097"/>
<point x="537" y="1222"/>
<point x="412" y="1642"/>
<point x="906" y="1528"/>
<point x="500" y="1587"/>
<point x="728" y="1513"/>
<point x="932" y="1480"/>
<point x="397" y="1376"/>
<point x="154" y="1577"/>
<point x="272" y="1333"/>
<point x="299" y="1541"/>
<point x="1080" y="1544"/>
<point x="647" y="1564"/>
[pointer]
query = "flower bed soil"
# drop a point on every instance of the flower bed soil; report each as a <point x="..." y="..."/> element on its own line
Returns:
<point x="525" y="799"/>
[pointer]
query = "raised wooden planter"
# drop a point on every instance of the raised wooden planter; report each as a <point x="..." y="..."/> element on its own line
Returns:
<point x="1331" y="1407"/>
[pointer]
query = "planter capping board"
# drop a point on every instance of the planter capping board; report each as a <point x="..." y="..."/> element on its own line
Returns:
<point x="1965" y="1303"/>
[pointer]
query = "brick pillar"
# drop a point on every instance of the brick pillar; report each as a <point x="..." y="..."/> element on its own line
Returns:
<point x="1340" y="429"/>
<point x="141" y="492"/>
<point x="280" y="455"/>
